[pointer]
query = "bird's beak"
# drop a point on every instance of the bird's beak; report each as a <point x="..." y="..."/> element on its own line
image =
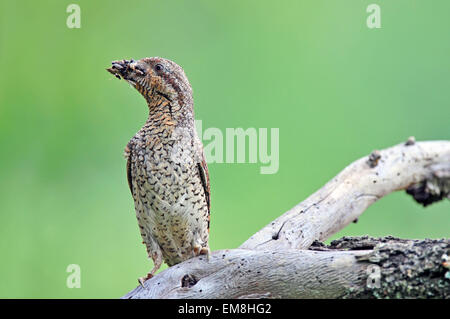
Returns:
<point x="121" y="69"/>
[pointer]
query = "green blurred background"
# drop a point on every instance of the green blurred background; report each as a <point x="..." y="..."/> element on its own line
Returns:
<point x="335" y="89"/>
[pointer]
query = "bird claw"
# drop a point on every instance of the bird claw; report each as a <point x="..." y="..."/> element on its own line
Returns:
<point x="142" y="280"/>
<point x="205" y="251"/>
<point x="199" y="250"/>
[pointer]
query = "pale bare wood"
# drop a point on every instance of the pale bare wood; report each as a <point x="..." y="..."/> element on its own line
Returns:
<point x="347" y="196"/>
<point x="271" y="263"/>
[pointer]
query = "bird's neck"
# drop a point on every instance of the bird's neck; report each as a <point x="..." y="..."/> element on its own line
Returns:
<point x="170" y="112"/>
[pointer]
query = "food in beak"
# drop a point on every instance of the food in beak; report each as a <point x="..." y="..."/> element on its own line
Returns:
<point x="120" y="69"/>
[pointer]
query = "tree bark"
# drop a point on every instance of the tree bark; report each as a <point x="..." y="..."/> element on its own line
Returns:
<point x="385" y="267"/>
<point x="285" y="259"/>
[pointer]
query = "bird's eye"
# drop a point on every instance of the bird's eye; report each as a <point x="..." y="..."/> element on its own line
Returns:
<point x="159" y="67"/>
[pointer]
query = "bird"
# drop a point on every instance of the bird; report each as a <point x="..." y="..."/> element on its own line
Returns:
<point x="166" y="167"/>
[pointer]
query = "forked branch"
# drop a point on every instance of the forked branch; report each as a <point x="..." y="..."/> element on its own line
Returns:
<point x="275" y="262"/>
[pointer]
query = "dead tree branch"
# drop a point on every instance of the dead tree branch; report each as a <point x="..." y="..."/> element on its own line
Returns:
<point x="273" y="263"/>
<point x="347" y="196"/>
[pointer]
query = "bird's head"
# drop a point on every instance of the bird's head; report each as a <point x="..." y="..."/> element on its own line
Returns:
<point x="162" y="82"/>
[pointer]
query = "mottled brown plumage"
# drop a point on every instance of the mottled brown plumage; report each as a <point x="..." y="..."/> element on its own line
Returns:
<point x="166" y="168"/>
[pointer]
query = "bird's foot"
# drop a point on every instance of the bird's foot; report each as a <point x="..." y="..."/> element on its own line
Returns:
<point x="199" y="250"/>
<point x="157" y="260"/>
<point x="141" y="280"/>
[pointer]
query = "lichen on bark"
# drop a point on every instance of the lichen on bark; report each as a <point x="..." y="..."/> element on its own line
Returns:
<point x="404" y="268"/>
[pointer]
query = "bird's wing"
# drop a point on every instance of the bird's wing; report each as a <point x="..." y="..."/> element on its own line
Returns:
<point x="204" y="177"/>
<point x="128" y="155"/>
<point x="129" y="177"/>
